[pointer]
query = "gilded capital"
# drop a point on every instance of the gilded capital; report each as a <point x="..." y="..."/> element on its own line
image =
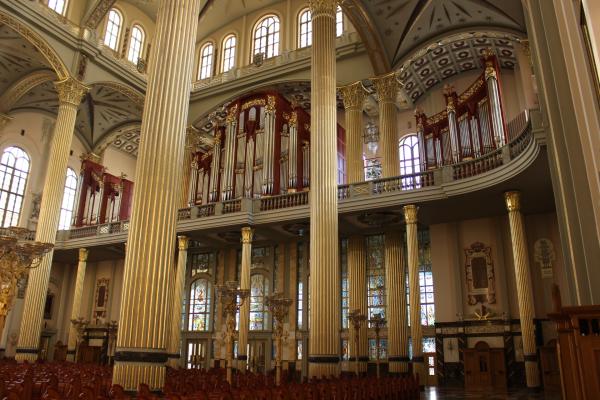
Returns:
<point x="83" y="255"/>
<point x="70" y="91"/>
<point x="513" y="200"/>
<point x="247" y="234"/>
<point x="386" y="87"/>
<point x="183" y="242"/>
<point x="323" y="7"/>
<point x="353" y="96"/>
<point x="410" y="214"/>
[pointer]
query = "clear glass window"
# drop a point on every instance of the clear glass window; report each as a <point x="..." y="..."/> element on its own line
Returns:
<point x="339" y="22"/>
<point x="229" y="46"/>
<point x="266" y="37"/>
<point x="206" y="61"/>
<point x="68" y="201"/>
<point x="113" y="28"/>
<point x="136" y="44"/>
<point x="259" y="288"/>
<point x="60" y="6"/>
<point x="14" y="170"/>
<point x="305" y="29"/>
<point x="427" y="298"/>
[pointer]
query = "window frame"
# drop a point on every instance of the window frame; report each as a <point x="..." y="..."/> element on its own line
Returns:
<point x="339" y="23"/>
<point x="6" y="168"/>
<point x="308" y="33"/>
<point x="210" y="64"/>
<point x="140" y="28"/>
<point x="68" y="192"/>
<point x="232" y="50"/>
<point x="208" y="304"/>
<point x="276" y="44"/>
<point x="264" y="309"/>
<point x="63" y="12"/>
<point x="119" y="29"/>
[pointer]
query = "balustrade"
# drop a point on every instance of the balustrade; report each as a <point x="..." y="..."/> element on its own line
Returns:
<point x="284" y="201"/>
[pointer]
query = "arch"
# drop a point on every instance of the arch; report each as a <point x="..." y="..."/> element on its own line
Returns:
<point x="134" y="95"/>
<point x="18" y="89"/>
<point x="112" y="30"/>
<point x="207" y="53"/>
<point x="36" y="40"/>
<point x="266" y="36"/>
<point x="229" y="49"/>
<point x="408" y="147"/>
<point x="136" y="43"/>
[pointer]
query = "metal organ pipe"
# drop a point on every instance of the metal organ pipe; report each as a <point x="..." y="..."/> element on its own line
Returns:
<point x="293" y="151"/>
<point x="214" y="170"/>
<point x="496" y="109"/>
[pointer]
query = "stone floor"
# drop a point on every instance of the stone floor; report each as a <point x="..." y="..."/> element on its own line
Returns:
<point x="434" y="393"/>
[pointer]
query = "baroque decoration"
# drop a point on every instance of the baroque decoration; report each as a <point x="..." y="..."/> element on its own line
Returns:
<point x="479" y="269"/>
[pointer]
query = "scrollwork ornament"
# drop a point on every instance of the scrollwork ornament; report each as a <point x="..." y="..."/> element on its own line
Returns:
<point x="70" y="91"/>
<point x="247" y="234"/>
<point x="271" y="102"/>
<point x="410" y="213"/>
<point x="183" y="242"/>
<point x="513" y="201"/>
<point x="232" y="114"/>
<point x="386" y="87"/>
<point x="353" y="96"/>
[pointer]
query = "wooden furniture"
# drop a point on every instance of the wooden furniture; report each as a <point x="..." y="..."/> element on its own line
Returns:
<point x="484" y="367"/>
<point x="549" y="366"/>
<point x="60" y="351"/>
<point x="578" y="348"/>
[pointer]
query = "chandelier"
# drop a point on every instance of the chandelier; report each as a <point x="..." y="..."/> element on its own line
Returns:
<point x="18" y="254"/>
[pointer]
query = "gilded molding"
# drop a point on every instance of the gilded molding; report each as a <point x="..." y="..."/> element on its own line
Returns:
<point x="70" y="91"/>
<point x="183" y="242"/>
<point x="102" y="7"/>
<point x="252" y="103"/>
<point x="83" y="255"/>
<point x="513" y="201"/>
<point x="247" y="235"/>
<point x="386" y="87"/>
<point x="353" y="96"/>
<point x="232" y="114"/>
<point x="410" y="214"/>
<point x="323" y="7"/>
<point x="271" y="102"/>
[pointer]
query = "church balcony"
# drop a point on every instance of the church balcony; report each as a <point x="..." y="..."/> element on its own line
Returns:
<point x="468" y="176"/>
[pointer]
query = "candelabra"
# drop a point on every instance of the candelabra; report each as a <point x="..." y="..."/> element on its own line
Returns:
<point x="80" y="325"/>
<point x="18" y="254"/>
<point x="377" y="322"/>
<point x="231" y="299"/>
<point x="111" y="327"/>
<point x="356" y="319"/>
<point x="279" y="307"/>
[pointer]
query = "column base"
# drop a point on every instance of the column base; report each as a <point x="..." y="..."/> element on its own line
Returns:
<point x="323" y="366"/>
<point x="29" y="355"/>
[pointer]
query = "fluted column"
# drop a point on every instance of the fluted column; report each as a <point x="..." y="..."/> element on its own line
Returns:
<point x="70" y="92"/>
<point x="324" y="282"/>
<point x="357" y="283"/>
<point x="247" y="234"/>
<point x="144" y="319"/>
<point x="524" y="289"/>
<point x="175" y="317"/>
<point x="412" y="249"/>
<point x="387" y="90"/>
<point x="354" y="97"/>
<point x="395" y="276"/>
<point x="184" y="200"/>
<point x="75" y="310"/>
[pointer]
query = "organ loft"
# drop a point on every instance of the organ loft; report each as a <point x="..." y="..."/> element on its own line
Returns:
<point x="299" y="199"/>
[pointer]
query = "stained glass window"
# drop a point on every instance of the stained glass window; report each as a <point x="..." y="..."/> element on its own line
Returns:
<point x="136" y="44"/>
<point x="345" y="295"/>
<point x="68" y="201"/>
<point x="259" y="288"/>
<point x="202" y="263"/>
<point x="229" y="46"/>
<point x="14" y="170"/>
<point x="425" y="281"/>
<point x="373" y="349"/>
<point x="375" y="276"/>
<point x="372" y="169"/>
<point x="60" y="6"/>
<point x="428" y="345"/>
<point x="206" y="61"/>
<point x="266" y="37"/>
<point x="339" y="21"/>
<point x="305" y="29"/>
<point x="113" y="27"/>
<point x="199" y="311"/>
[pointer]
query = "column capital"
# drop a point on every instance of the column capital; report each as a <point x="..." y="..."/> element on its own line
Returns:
<point x="70" y="91"/>
<point x="83" y="254"/>
<point x="410" y="213"/>
<point x="353" y="96"/>
<point x="247" y="235"/>
<point x="513" y="200"/>
<point x="323" y="7"/>
<point x="386" y="87"/>
<point x="183" y="242"/>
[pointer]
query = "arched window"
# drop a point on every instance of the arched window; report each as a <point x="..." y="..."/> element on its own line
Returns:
<point x="60" y="6"/>
<point x="199" y="311"/>
<point x="68" y="201"/>
<point x="376" y="276"/>
<point x="113" y="28"/>
<point x="14" y="170"/>
<point x="305" y="29"/>
<point x="339" y="21"/>
<point x="409" y="155"/>
<point x="266" y="37"/>
<point x="206" y="61"/>
<point x="259" y="288"/>
<point x="229" y="46"/>
<point x="136" y="44"/>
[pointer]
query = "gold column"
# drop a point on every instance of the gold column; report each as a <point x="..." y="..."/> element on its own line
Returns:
<point x="76" y="309"/>
<point x="247" y="234"/>
<point x="70" y="92"/>
<point x="387" y="90"/>
<point x="186" y="168"/>
<point x="143" y="326"/>
<point x="324" y="351"/>
<point x="412" y="249"/>
<point x="524" y="290"/>
<point x="357" y="283"/>
<point x="354" y="97"/>
<point x="395" y="276"/>
<point x="175" y="357"/>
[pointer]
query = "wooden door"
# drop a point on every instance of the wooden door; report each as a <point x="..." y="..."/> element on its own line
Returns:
<point x="478" y="367"/>
<point x="471" y="368"/>
<point x="498" y="369"/>
<point x="430" y="369"/>
<point x="550" y="367"/>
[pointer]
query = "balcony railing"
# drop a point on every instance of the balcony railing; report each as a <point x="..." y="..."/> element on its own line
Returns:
<point x="284" y="201"/>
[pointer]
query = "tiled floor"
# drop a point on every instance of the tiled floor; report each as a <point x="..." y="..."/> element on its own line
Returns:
<point x="433" y="393"/>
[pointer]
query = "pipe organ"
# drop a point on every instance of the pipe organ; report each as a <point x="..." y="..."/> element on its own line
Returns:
<point x="472" y="124"/>
<point x="101" y="197"/>
<point x="261" y="149"/>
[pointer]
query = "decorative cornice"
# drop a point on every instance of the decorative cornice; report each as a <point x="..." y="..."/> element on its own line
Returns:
<point x="410" y="214"/>
<point x="513" y="201"/>
<point x="83" y="255"/>
<point x="99" y="11"/>
<point x="386" y="87"/>
<point x="70" y="91"/>
<point x="353" y="96"/>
